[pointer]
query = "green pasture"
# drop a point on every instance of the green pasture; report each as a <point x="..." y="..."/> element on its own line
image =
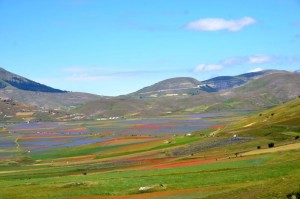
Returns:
<point x="58" y="182"/>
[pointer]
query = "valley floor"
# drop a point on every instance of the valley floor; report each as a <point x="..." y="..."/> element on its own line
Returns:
<point x="74" y="160"/>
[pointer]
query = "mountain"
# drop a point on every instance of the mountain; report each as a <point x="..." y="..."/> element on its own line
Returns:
<point x="182" y="95"/>
<point x="9" y="79"/>
<point x="283" y="86"/>
<point x="228" y="82"/>
<point x="29" y="92"/>
<point x="191" y="86"/>
<point x="146" y="107"/>
<point x="49" y="100"/>
<point x="174" y="86"/>
<point x="297" y="71"/>
<point x="266" y="91"/>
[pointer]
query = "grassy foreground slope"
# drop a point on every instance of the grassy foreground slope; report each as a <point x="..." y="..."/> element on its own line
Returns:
<point x="280" y="123"/>
<point x="265" y="176"/>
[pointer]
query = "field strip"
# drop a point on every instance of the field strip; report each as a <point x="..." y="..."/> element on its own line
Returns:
<point x="18" y="171"/>
<point x="272" y="150"/>
<point x="249" y="124"/>
<point x="17" y="144"/>
<point x="170" y="193"/>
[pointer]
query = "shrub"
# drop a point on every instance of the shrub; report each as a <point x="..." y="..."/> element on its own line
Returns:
<point x="271" y="145"/>
<point x="293" y="195"/>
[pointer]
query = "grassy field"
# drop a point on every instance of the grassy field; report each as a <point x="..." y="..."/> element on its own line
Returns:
<point x="233" y="175"/>
<point x="201" y="164"/>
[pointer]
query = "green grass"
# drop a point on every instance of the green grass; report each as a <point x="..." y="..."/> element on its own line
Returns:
<point x="287" y="113"/>
<point x="292" y="133"/>
<point x="83" y="150"/>
<point x="254" y="171"/>
<point x="197" y="109"/>
<point x="175" y="141"/>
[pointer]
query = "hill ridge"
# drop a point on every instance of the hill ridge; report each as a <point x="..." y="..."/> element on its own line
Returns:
<point x="33" y="93"/>
<point x="192" y="86"/>
<point x="10" y="79"/>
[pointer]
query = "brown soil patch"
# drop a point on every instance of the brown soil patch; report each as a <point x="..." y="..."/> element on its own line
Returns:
<point x="273" y="150"/>
<point x="24" y="113"/>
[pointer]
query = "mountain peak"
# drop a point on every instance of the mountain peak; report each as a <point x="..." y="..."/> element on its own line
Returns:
<point x="174" y="86"/>
<point x="228" y="82"/>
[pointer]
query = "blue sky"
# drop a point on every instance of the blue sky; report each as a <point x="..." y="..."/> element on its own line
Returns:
<point x="114" y="47"/>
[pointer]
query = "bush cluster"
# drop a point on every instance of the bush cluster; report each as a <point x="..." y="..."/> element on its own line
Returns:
<point x="271" y="145"/>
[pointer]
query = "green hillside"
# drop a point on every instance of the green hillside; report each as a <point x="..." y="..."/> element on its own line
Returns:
<point x="173" y="86"/>
<point x="281" y="123"/>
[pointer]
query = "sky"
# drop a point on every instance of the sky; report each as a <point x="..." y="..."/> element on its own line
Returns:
<point x="114" y="47"/>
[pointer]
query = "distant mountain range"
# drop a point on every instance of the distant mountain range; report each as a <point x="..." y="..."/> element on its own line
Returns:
<point x="191" y="86"/>
<point x="250" y="91"/>
<point x="182" y="95"/>
<point x="228" y="82"/>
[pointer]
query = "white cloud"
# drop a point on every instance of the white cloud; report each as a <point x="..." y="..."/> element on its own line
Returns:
<point x="255" y="70"/>
<point x="207" y="67"/>
<point x="235" y="61"/>
<point x="259" y="59"/>
<point x="215" y="24"/>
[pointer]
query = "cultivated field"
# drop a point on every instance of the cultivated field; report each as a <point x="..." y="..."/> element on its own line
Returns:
<point x="193" y="156"/>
